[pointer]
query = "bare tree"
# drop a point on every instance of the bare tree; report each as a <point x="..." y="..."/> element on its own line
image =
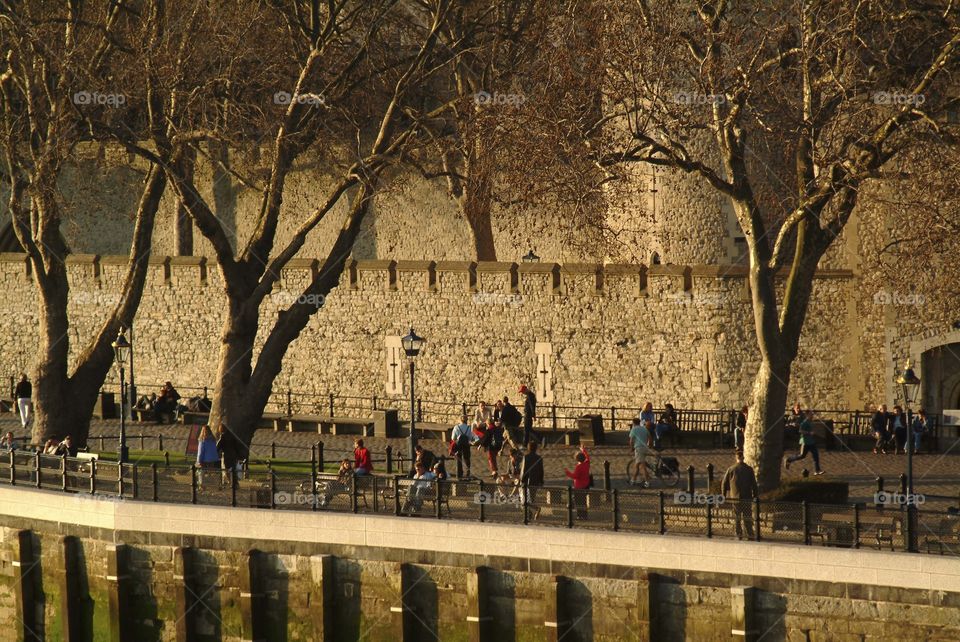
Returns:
<point x="61" y="78"/>
<point x="789" y="110"/>
<point x="350" y="85"/>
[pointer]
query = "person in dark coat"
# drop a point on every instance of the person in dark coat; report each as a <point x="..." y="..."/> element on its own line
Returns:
<point x="878" y="425"/>
<point x="230" y="449"/>
<point x="531" y="476"/>
<point x="529" y="414"/>
<point x="740" y="486"/>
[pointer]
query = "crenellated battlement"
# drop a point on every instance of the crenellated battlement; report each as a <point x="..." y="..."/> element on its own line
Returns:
<point x="612" y="280"/>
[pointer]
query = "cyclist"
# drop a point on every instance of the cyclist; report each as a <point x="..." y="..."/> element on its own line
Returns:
<point x="640" y="441"/>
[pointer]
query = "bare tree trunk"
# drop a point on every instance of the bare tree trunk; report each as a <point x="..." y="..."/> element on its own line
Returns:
<point x="183" y="236"/>
<point x="231" y="403"/>
<point x="476" y="208"/>
<point x="51" y="405"/>
<point x="763" y="439"/>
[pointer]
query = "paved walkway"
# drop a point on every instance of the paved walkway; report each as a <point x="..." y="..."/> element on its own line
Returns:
<point x="936" y="475"/>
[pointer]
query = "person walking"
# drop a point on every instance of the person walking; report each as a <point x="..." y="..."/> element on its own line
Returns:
<point x="740" y="485"/>
<point x="808" y="444"/>
<point x="24" y="395"/>
<point x="921" y="425"/>
<point x="229" y="448"/>
<point x="529" y="414"/>
<point x="207" y="456"/>
<point x="461" y="440"/>
<point x="639" y="439"/>
<point x="581" y="481"/>
<point x="531" y="477"/>
<point x="740" y="429"/>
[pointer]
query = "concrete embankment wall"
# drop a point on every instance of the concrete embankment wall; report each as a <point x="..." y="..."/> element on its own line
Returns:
<point x="146" y="571"/>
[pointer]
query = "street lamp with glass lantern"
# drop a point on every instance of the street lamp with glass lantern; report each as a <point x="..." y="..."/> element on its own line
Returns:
<point x="411" y="346"/>
<point x="121" y="348"/>
<point x="910" y="386"/>
<point x="530" y="257"/>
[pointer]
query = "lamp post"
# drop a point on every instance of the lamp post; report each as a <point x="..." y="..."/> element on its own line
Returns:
<point x="530" y="257"/>
<point x="121" y="347"/>
<point x="411" y="346"/>
<point x="132" y="385"/>
<point x="910" y="386"/>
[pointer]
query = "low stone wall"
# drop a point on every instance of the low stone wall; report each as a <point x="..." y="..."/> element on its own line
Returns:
<point x="145" y="571"/>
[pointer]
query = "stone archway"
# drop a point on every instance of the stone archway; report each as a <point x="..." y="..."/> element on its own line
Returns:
<point x="937" y="362"/>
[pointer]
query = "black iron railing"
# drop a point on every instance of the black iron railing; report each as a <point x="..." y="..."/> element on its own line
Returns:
<point x="683" y="513"/>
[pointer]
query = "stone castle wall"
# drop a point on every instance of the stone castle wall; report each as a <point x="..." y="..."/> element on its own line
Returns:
<point x="617" y="334"/>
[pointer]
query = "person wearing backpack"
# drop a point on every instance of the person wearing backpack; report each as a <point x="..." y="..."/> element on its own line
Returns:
<point x="461" y="439"/>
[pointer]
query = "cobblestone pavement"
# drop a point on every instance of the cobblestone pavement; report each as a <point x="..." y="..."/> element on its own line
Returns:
<point x="935" y="475"/>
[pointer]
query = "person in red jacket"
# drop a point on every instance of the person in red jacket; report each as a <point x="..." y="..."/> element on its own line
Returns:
<point x="361" y="459"/>
<point x="581" y="482"/>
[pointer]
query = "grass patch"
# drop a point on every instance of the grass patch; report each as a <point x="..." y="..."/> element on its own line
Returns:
<point x="282" y="466"/>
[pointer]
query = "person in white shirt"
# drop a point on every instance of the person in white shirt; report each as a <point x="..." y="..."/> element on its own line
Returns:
<point x="461" y="439"/>
<point x="482" y="415"/>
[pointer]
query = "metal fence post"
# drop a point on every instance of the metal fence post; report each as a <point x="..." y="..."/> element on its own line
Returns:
<point x="438" y="491"/>
<point x="273" y="489"/>
<point x="661" y="516"/>
<point x="911" y="534"/>
<point x="313" y="479"/>
<point x="709" y="477"/>
<point x="805" y="513"/>
<point x="154" y="481"/>
<point x="569" y="507"/>
<point x="613" y="418"/>
<point x="353" y="494"/>
<point x="36" y="466"/>
<point x="482" y="500"/>
<point x="606" y="475"/>
<point x="903" y="484"/>
<point x="756" y="518"/>
<point x="93" y="476"/>
<point x="691" y="482"/>
<point x="389" y="460"/>
<point x="136" y="486"/>
<point x="13" y="469"/>
<point x="120" y="479"/>
<point x="159" y="442"/>
<point x="525" y="500"/>
<point x="320" y="464"/>
<point x="234" y="484"/>
<point x="193" y="483"/>
<point x="396" y="494"/>
<point x="856" y="525"/>
<point x="273" y="450"/>
<point x="710" y="519"/>
<point x="616" y="510"/>
<point x="166" y="459"/>
<point x="63" y="473"/>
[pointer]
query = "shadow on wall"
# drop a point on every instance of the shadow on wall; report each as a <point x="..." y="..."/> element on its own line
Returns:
<point x="207" y="611"/>
<point x="277" y="598"/>
<point x="346" y="601"/>
<point x="771" y="612"/>
<point x="579" y="604"/>
<point x="423" y="602"/>
<point x="503" y="606"/>
<point x="671" y="621"/>
<point x="144" y="616"/>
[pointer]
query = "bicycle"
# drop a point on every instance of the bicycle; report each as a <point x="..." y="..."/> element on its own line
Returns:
<point x="666" y="469"/>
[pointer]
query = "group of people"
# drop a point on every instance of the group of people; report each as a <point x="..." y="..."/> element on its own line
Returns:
<point x="221" y="451"/>
<point x="495" y="430"/>
<point x="64" y="448"/>
<point x="890" y="429"/>
<point x="162" y="404"/>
